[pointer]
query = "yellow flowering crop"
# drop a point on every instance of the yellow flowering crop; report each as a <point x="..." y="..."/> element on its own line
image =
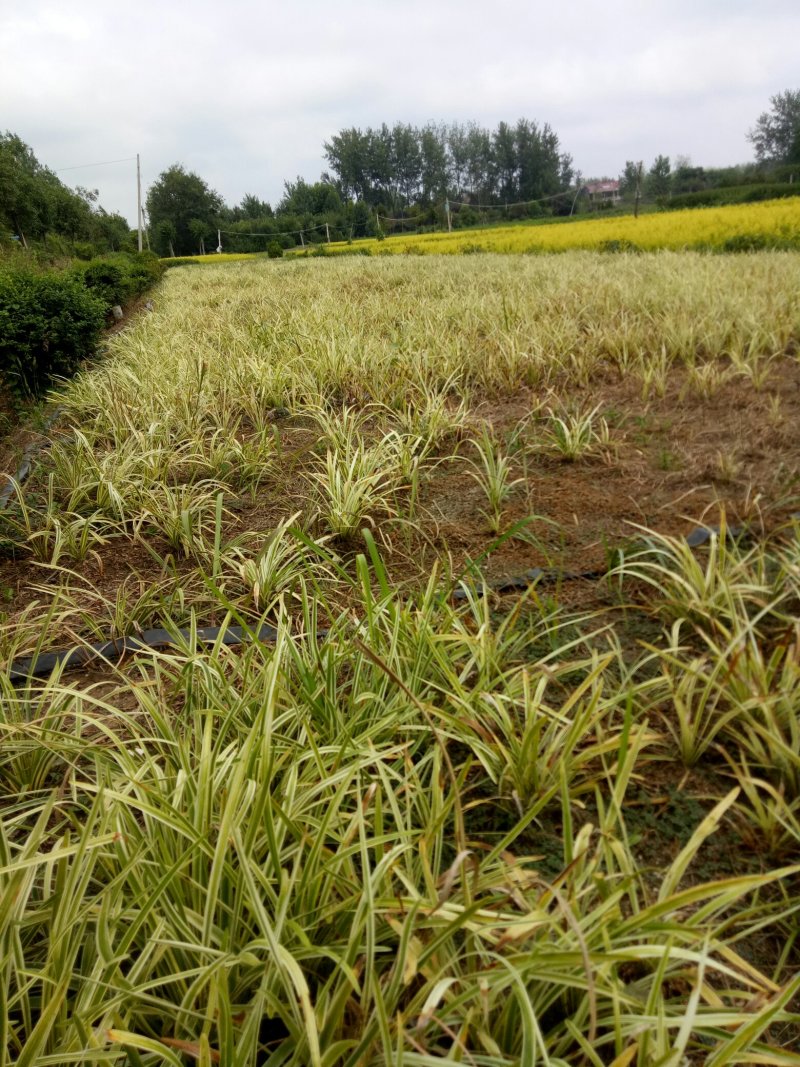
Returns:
<point x="771" y="221"/>
<point x="217" y="257"/>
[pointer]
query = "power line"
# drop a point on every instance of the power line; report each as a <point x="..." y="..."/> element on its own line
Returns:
<point x="86" y="166"/>
<point x="275" y="233"/>
<point x="388" y="218"/>
<point x="517" y="203"/>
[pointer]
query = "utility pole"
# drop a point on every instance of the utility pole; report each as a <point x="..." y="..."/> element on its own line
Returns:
<point x="328" y="233"/>
<point x="302" y="242"/>
<point x="139" y="200"/>
<point x="447" y="213"/>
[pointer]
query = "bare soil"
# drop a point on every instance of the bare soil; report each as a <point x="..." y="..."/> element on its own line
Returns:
<point x="673" y="462"/>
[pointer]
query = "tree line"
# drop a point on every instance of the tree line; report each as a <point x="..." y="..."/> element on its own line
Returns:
<point x="36" y="206"/>
<point x="399" y="166"/>
<point x="380" y="179"/>
<point x="375" y="176"/>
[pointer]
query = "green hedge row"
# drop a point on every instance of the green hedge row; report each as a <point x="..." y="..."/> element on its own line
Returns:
<point x="180" y="261"/>
<point x="119" y="278"/>
<point x="735" y="194"/>
<point x="50" y="321"/>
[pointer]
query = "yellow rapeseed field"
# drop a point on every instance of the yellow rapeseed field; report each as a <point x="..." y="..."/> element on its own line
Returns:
<point x="772" y="221"/>
<point x="216" y="257"/>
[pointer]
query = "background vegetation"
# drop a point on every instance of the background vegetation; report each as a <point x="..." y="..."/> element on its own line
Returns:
<point x="41" y="214"/>
<point x="51" y="320"/>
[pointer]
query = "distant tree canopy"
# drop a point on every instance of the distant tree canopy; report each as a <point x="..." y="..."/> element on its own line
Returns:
<point x="630" y="177"/>
<point x="399" y="169"/>
<point x="251" y="207"/>
<point x="776" y="134"/>
<point x="654" y="183"/>
<point x="404" y="165"/>
<point x="658" y="180"/>
<point x="303" y="198"/>
<point x="381" y="180"/>
<point x="183" y="212"/>
<point x="35" y="204"/>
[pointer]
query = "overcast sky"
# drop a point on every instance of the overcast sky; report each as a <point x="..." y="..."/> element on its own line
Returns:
<point x="246" y="92"/>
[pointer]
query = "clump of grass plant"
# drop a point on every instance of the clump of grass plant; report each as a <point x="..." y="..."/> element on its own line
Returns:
<point x="720" y="587"/>
<point x="53" y="535"/>
<point x="356" y="482"/>
<point x="280" y="566"/>
<point x="575" y="435"/>
<point x="492" y="472"/>
<point x="184" y="515"/>
<point x="280" y="851"/>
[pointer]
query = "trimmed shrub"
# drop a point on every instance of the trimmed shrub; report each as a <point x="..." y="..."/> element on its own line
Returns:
<point x="144" y="270"/>
<point x="615" y="246"/>
<point x="48" y="324"/>
<point x="738" y="194"/>
<point x="274" y="250"/>
<point x="179" y="261"/>
<point x="117" y="278"/>
<point x="107" y="281"/>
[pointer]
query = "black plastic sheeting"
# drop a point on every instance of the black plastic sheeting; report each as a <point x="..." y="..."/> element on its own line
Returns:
<point x="22" y="670"/>
<point x="700" y="535"/>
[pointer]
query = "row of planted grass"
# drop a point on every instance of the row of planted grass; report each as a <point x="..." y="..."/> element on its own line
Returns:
<point x="331" y="850"/>
<point x="327" y="852"/>
<point x="250" y="338"/>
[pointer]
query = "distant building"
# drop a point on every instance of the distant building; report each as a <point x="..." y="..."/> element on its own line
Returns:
<point x="602" y="194"/>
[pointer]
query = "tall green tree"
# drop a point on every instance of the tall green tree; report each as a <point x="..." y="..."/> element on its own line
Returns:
<point x="185" y="201"/>
<point x="252" y="207"/>
<point x="406" y="161"/>
<point x="480" y="176"/>
<point x="433" y="146"/>
<point x="506" y="161"/>
<point x="659" y="177"/>
<point x="776" y="134"/>
<point x="543" y="170"/>
<point x="34" y="202"/>
<point x="380" y="174"/>
<point x="346" y="153"/>
<point x="458" y="154"/>
<point x="304" y="198"/>
<point x="629" y="178"/>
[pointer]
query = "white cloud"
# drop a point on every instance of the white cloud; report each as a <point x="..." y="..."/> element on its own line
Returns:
<point x="246" y="92"/>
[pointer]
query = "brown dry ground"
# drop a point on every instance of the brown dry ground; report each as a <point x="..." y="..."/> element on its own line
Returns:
<point x="673" y="462"/>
